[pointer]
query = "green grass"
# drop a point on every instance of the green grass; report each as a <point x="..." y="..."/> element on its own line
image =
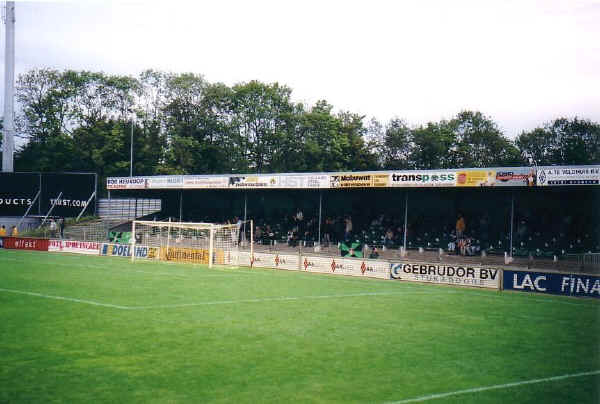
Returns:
<point x="185" y="333"/>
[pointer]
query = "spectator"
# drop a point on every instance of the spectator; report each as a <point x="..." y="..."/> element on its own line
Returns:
<point x="460" y="227"/>
<point x="258" y="234"/>
<point x="388" y="239"/>
<point x="327" y="230"/>
<point x="374" y="254"/>
<point x="52" y="228"/>
<point x="348" y="228"/>
<point x="61" y="224"/>
<point x="14" y="232"/>
<point x="2" y="231"/>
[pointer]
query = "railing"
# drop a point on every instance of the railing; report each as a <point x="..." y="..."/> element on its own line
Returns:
<point x="128" y="208"/>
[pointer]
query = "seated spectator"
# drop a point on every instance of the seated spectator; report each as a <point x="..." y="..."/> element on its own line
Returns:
<point x="258" y="234"/>
<point x="388" y="239"/>
<point x="374" y="254"/>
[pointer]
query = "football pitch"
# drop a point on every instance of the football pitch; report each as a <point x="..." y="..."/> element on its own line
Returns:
<point x="97" y="329"/>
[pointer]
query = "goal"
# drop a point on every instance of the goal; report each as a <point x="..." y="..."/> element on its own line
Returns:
<point x="201" y="243"/>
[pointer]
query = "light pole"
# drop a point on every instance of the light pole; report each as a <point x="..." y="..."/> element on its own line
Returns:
<point x="131" y="150"/>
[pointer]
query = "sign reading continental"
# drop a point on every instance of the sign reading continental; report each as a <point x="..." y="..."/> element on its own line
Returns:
<point x="196" y="255"/>
<point x="447" y="274"/>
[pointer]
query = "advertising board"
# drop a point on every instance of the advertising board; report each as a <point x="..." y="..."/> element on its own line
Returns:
<point x="74" y="191"/>
<point x="165" y="182"/>
<point x="275" y="261"/>
<point x="72" y="246"/>
<point x="346" y="266"/>
<point x="461" y="275"/>
<point x="254" y="181"/>
<point x="552" y="283"/>
<point x="576" y="175"/>
<point x="515" y="177"/>
<point x="423" y="179"/>
<point x="476" y="178"/>
<point x="25" y="243"/>
<point x="126" y="183"/>
<point x="303" y="181"/>
<point x="204" y="182"/>
<point x="17" y="193"/>
<point x="179" y="254"/>
<point x="124" y="250"/>
<point x="359" y="180"/>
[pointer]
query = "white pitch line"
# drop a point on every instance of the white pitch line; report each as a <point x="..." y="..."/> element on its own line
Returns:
<point x="266" y="299"/>
<point x="68" y="299"/>
<point x="209" y="303"/>
<point x="495" y="387"/>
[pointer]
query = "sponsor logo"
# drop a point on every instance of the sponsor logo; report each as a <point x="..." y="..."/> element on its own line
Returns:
<point x="119" y="250"/>
<point x="279" y="261"/>
<point x="423" y="178"/>
<point x="335" y="265"/>
<point x="254" y="259"/>
<point x="505" y="176"/>
<point x="365" y="268"/>
<point x="448" y="274"/>
<point x="542" y="177"/>
<point x="307" y="264"/>
<point x="68" y="203"/>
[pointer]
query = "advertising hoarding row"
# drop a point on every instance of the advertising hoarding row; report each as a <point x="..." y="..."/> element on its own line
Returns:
<point x="457" y="275"/>
<point x="492" y="177"/>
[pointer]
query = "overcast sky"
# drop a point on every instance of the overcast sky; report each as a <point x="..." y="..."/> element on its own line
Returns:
<point x="522" y="62"/>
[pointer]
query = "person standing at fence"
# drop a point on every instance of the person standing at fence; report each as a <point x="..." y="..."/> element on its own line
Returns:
<point x="2" y="231"/>
<point x="14" y="232"/>
<point x="52" y="228"/>
<point x="61" y="225"/>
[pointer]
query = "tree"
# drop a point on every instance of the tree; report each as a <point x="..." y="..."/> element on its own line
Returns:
<point x="563" y="142"/>
<point x="478" y="142"/>
<point x="260" y="114"/>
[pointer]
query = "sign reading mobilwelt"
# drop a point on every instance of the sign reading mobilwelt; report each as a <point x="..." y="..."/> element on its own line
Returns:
<point x="552" y="283"/>
<point x="23" y="243"/>
<point x="447" y="274"/>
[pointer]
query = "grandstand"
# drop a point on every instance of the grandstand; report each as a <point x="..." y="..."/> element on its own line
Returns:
<point x="401" y="213"/>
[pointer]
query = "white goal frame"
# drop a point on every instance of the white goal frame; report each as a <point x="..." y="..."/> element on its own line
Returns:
<point x="217" y="240"/>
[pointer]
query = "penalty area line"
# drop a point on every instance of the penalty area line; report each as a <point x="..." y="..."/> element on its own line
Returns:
<point x="494" y="387"/>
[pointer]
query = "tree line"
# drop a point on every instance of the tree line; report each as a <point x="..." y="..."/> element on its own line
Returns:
<point x="183" y="124"/>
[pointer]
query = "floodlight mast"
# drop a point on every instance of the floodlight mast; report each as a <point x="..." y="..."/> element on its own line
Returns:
<point x="8" y="142"/>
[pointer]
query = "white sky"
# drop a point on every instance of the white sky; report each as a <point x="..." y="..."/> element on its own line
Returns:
<point x="521" y="62"/>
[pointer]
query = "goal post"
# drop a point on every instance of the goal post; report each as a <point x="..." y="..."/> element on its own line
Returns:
<point x="202" y="243"/>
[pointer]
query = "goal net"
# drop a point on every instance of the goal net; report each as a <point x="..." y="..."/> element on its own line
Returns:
<point x="201" y="243"/>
